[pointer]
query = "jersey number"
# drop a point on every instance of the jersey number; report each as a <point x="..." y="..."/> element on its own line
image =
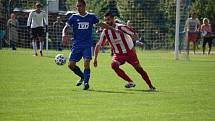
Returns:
<point x="83" y="25"/>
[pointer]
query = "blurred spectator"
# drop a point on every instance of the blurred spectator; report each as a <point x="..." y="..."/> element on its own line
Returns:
<point x="206" y="33"/>
<point x="57" y="28"/>
<point x="192" y="27"/>
<point x="12" y="29"/>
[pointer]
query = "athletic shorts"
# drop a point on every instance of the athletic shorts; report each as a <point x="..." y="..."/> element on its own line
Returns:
<point x="130" y="57"/>
<point x="38" y="32"/>
<point x="78" y="52"/>
<point x="193" y="36"/>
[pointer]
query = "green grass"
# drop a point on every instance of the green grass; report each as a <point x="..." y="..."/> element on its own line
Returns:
<point x="36" y="89"/>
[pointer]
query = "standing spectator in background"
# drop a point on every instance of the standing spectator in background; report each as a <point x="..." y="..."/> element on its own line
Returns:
<point x="57" y="28"/>
<point x="12" y="27"/>
<point x="206" y="33"/>
<point x="36" y="23"/>
<point x="192" y="27"/>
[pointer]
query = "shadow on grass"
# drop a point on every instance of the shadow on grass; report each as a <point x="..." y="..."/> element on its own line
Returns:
<point x="111" y="91"/>
<point x="127" y="91"/>
<point x="142" y="90"/>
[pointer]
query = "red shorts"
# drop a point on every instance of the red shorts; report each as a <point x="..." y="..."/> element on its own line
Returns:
<point x="192" y="36"/>
<point x="130" y="57"/>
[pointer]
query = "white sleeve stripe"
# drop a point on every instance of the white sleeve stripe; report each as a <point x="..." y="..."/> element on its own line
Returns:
<point x="29" y="19"/>
<point x="45" y="20"/>
<point x="127" y="30"/>
<point x="101" y="38"/>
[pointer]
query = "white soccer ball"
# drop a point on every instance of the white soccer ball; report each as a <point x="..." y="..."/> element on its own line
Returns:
<point x="60" y="59"/>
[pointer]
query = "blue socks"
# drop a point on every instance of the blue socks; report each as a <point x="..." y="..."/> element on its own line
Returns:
<point x="86" y="75"/>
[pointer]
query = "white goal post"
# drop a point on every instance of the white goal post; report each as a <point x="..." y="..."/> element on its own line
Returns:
<point x="177" y="29"/>
<point x="47" y="14"/>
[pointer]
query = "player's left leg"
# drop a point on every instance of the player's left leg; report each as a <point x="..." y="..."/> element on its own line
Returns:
<point x="194" y="46"/>
<point x="41" y="36"/>
<point x="209" y="45"/>
<point x="133" y="60"/>
<point x="86" y="73"/>
<point x="87" y="55"/>
<point x="144" y="75"/>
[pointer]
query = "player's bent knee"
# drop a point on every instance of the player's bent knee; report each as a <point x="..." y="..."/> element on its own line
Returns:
<point x="71" y="66"/>
<point x="115" y="65"/>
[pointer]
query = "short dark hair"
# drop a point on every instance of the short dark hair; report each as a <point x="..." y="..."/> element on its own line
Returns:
<point x="82" y="1"/>
<point x="38" y="4"/>
<point x="108" y="13"/>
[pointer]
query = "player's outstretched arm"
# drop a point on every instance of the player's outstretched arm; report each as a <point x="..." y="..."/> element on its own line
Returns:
<point x="65" y="36"/>
<point x="96" y="51"/>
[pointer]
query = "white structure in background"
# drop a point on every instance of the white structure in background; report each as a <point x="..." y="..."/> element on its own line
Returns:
<point x="53" y="6"/>
<point x="177" y="29"/>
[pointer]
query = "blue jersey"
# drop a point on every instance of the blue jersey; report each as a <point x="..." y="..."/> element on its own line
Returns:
<point x="82" y="27"/>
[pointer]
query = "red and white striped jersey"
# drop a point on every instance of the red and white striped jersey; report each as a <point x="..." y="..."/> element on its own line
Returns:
<point x="119" y="39"/>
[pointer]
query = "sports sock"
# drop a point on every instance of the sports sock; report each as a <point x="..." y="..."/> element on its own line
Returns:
<point x="145" y="76"/>
<point x="86" y="75"/>
<point x="41" y="45"/>
<point x="123" y="75"/>
<point x="120" y="72"/>
<point x="34" y="45"/>
<point x="78" y="72"/>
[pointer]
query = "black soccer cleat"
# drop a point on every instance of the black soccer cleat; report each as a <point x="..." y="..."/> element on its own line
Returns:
<point x="86" y="86"/>
<point x="152" y="89"/>
<point x="79" y="82"/>
<point x="129" y="85"/>
<point x="35" y="54"/>
<point x="41" y="53"/>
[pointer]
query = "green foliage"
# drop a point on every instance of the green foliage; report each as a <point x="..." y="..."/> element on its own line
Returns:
<point x="99" y="7"/>
<point x="204" y="8"/>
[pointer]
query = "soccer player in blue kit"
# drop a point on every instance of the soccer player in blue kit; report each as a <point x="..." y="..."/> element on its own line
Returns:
<point x="81" y="24"/>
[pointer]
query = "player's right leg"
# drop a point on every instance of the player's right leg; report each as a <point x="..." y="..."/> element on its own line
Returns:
<point x="115" y="66"/>
<point x="41" y="36"/>
<point x="75" y="56"/>
<point x="209" y="45"/>
<point x="72" y="66"/>
<point x="194" y="46"/>
<point x="203" y="45"/>
<point x="134" y="61"/>
<point x="34" y="40"/>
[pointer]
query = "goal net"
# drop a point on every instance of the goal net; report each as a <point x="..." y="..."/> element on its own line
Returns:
<point x="153" y="20"/>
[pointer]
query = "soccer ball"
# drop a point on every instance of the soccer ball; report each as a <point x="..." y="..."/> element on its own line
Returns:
<point x="60" y="59"/>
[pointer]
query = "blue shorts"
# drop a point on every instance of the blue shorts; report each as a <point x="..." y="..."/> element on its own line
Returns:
<point x="78" y="52"/>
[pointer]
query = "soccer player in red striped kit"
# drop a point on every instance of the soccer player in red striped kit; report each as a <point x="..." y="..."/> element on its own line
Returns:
<point x="120" y="37"/>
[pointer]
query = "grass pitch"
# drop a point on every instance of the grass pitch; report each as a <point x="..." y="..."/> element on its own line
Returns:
<point x="36" y="89"/>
